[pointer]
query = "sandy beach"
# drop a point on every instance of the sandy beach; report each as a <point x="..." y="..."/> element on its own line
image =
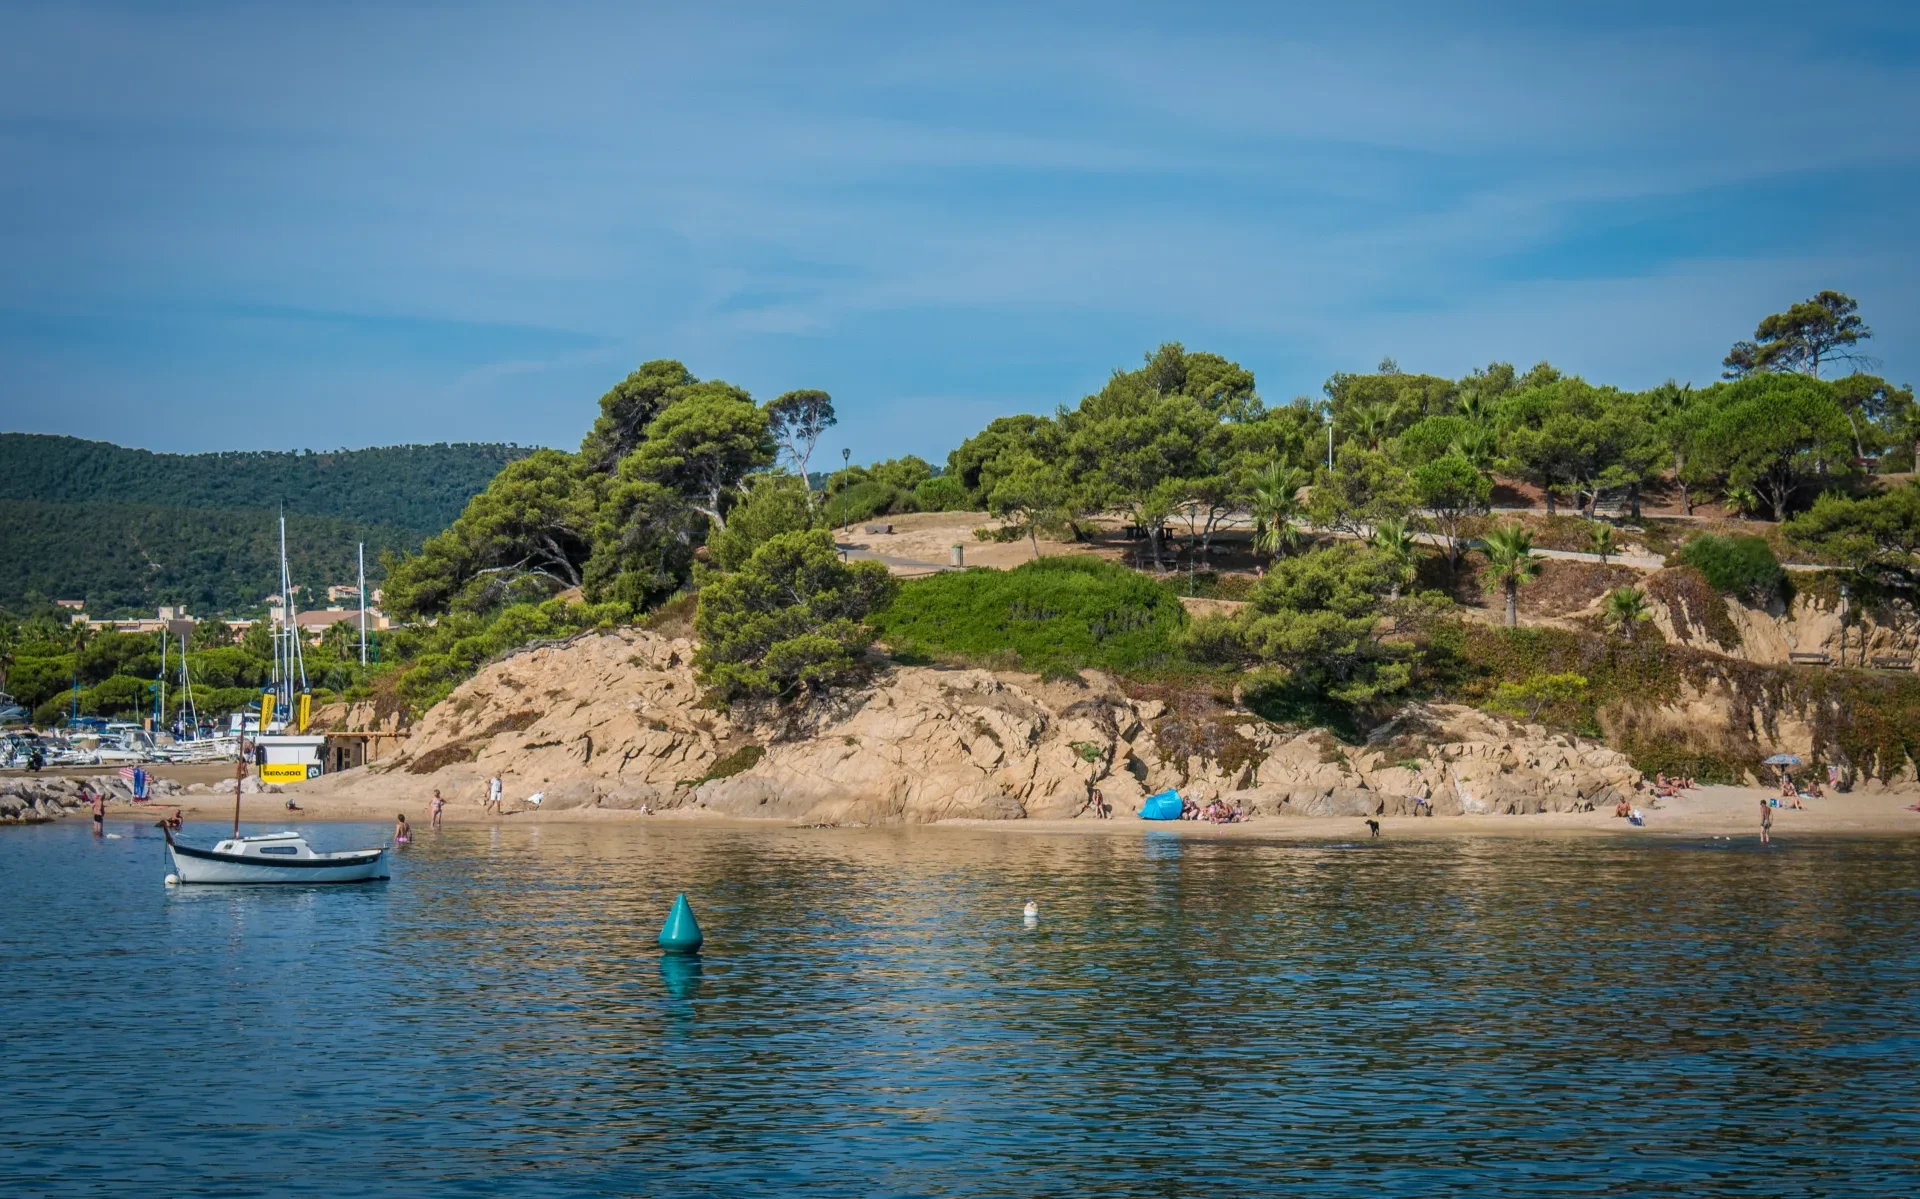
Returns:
<point x="1707" y="811"/>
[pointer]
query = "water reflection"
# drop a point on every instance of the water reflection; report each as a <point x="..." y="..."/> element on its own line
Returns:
<point x="681" y="974"/>
<point x="1484" y="1016"/>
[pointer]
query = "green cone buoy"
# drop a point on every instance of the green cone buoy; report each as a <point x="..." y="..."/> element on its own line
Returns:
<point x="681" y="932"/>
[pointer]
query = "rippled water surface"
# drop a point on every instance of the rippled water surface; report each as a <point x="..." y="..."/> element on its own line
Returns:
<point x="872" y="1017"/>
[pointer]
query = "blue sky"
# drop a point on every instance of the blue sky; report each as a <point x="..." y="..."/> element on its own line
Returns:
<point x="258" y="225"/>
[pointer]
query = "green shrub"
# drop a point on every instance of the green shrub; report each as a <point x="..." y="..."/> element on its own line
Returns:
<point x="866" y="500"/>
<point x="1064" y="613"/>
<point x="1001" y="533"/>
<point x="1738" y="565"/>
<point x="1528" y="698"/>
<point x="738" y="762"/>
<point x="942" y="494"/>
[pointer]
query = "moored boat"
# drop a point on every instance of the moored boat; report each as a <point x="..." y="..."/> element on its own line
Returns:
<point x="283" y="857"/>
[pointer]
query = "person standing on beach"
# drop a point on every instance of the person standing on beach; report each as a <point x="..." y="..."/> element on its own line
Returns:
<point x="494" y="793"/>
<point x="433" y="809"/>
<point x="1766" y="822"/>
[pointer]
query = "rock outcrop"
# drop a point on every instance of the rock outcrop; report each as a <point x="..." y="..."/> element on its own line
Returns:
<point x="34" y="798"/>
<point x="615" y="720"/>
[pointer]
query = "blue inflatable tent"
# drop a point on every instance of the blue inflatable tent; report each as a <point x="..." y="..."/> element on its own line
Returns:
<point x="1164" y="806"/>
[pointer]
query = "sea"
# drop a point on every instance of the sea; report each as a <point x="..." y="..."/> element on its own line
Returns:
<point x="872" y="1015"/>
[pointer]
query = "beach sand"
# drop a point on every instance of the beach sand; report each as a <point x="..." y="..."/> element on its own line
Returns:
<point x="1708" y="811"/>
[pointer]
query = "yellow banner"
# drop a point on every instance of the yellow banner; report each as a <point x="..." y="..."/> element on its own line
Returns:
<point x="266" y="710"/>
<point x="285" y="772"/>
<point x="306" y="710"/>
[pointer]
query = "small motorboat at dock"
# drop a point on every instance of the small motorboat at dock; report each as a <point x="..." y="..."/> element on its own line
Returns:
<point x="283" y="857"/>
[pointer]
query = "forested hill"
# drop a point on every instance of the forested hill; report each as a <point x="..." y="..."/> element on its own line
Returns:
<point x="420" y="487"/>
<point x="127" y="530"/>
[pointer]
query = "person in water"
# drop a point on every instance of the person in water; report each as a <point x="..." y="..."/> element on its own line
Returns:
<point x="99" y="813"/>
<point x="434" y="808"/>
<point x="174" y="821"/>
<point x="402" y="831"/>
<point x="1766" y="822"/>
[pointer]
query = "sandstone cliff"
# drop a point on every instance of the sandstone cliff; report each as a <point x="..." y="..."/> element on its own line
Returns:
<point x="614" y="720"/>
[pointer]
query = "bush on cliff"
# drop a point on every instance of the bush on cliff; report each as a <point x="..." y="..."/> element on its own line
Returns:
<point x="439" y="657"/>
<point x="1051" y="614"/>
<point x="1739" y="565"/>
<point x="1318" y="617"/>
<point x="790" y="622"/>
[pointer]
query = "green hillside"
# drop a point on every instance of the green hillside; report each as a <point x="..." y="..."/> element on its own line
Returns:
<point x="127" y="530"/>
<point x="421" y="487"/>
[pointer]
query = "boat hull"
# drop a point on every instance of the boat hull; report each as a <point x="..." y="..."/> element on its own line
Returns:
<point x="205" y="866"/>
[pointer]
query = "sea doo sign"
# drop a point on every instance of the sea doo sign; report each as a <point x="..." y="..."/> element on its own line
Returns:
<point x="291" y="758"/>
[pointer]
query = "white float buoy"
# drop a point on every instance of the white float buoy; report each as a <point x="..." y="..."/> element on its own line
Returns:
<point x="173" y="880"/>
<point x="1031" y="911"/>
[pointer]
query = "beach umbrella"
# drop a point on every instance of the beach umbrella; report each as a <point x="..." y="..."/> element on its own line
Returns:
<point x="1784" y="760"/>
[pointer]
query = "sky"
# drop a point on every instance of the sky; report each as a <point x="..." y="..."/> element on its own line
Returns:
<point x="280" y="226"/>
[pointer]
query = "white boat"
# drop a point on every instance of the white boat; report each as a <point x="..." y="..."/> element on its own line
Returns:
<point x="274" y="858"/>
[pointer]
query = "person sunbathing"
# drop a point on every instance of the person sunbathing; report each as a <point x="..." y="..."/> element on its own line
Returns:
<point x="1622" y="810"/>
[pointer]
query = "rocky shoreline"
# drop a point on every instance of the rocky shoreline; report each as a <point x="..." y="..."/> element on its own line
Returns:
<point x="37" y="799"/>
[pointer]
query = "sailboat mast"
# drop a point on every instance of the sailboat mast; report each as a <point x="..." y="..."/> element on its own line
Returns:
<point x="189" y="710"/>
<point x="281" y="645"/>
<point x="363" y="603"/>
<point x="160" y="699"/>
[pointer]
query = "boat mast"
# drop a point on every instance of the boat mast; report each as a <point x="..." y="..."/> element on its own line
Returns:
<point x="160" y="700"/>
<point x="296" y="655"/>
<point x="189" y="710"/>
<point x="363" y="603"/>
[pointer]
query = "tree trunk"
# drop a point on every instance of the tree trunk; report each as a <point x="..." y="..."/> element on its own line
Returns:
<point x="1033" y="538"/>
<point x="1513" y="604"/>
<point x="1859" y="450"/>
<point x="1549" y="490"/>
<point x="1633" y="502"/>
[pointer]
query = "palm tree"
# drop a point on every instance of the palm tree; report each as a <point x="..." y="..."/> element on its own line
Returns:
<point x="1741" y="500"/>
<point x="1372" y="425"/>
<point x="1626" y="607"/>
<point x="1395" y="542"/>
<point x="1510" y="565"/>
<point x="1274" y="505"/>
<point x="1478" y="446"/>
<point x="1600" y="541"/>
